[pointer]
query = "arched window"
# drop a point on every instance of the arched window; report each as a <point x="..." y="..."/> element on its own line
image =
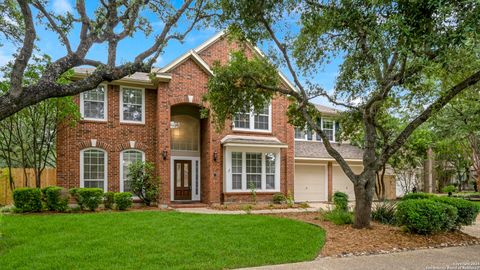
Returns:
<point x="185" y="131"/>
<point x="128" y="157"/>
<point x="93" y="168"/>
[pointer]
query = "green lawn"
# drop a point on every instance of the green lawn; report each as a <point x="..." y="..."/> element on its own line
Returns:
<point x="153" y="240"/>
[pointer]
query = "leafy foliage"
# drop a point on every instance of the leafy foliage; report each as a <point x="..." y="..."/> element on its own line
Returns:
<point x="340" y="199"/>
<point x="279" y="198"/>
<point x="426" y="216"/>
<point x="87" y="198"/>
<point x="338" y="217"/>
<point x="385" y="212"/>
<point x="418" y="195"/>
<point x="27" y="199"/>
<point x="143" y="183"/>
<point x="449" y="188"/>
<point x="123" y="200"/>
<point x="467" y="211"/>
<point x="108" y="199"/>
<point x="56" y="198"/>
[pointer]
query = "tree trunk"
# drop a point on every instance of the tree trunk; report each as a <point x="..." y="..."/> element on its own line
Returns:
<point x="364" y="190"/>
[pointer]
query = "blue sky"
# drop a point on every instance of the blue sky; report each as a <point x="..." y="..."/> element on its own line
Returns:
<point x="48" y="44"/>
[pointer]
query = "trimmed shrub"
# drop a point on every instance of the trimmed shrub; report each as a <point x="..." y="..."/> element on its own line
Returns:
<point x="123" y="200"/>
<point x="108" y="200"/>
<point x="449" y="189"/>
<point x="56" y="198"/>
<point x="385" y="212"/>
<point x="467" y="211"/>
<point x="426" y="216"/>
<point x="418" y="195"/>
<point x="338" y="217"/>
<point x="279" y="198"/>
<point x="340" y="199"/>
<point x="87" y="198"/>
<point x="27" y="199"/>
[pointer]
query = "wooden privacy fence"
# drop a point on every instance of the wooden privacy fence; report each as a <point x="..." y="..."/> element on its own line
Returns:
<point x="49" y="178"/>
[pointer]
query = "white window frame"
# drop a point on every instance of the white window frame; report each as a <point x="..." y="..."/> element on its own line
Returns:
<point x="121" y="105"/>
<point x="121" y="165"/>
<point x="105" y="166"/>
<point x="105" y="106"/>
<point x="252" y="128"/>
<point x="314" y="134"/>
<point x="244" y="150"/>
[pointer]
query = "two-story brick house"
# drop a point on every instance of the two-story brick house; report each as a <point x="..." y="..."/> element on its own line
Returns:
<point x="158" y="120"/>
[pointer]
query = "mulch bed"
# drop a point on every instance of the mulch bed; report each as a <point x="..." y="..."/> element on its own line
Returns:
<point x="344" y="240"/>
<point x="260" y="206"/>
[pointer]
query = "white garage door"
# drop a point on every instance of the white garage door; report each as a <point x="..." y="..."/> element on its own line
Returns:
<point x="340" y="181"/>
<point x="310" y="183"/>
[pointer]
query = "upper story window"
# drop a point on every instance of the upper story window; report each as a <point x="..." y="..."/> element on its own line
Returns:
<point x="93" y="104"/>
<point x="327" y="125"/>
<point x="132" y="105"/>
<point x="255" y="120"/>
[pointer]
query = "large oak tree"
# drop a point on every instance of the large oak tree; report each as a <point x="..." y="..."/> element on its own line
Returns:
<point x="109" y="23"/>
<point x="395" y="55"/>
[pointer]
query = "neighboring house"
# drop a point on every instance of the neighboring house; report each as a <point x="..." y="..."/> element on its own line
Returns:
<point x="158" y="120"/>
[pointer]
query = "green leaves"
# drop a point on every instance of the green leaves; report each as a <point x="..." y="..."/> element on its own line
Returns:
<point x="240" y="85"/>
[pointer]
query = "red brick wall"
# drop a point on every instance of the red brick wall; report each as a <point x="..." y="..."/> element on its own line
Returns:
<point x="111" y="136"/>
<point x="188" y="79"/>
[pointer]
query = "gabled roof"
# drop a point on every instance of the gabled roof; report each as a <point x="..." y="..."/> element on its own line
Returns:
<point x="190" y="54"/>
<point x="194" y="55"/>
<point x="138" y="78"/>
<point x="326" y="110"/>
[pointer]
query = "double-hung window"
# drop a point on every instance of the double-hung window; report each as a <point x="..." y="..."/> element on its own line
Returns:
<point x="327" y="125"/>
<point x="127" y="158"/>
<point x="249" y="169"/>
<point x="132" y="105"/>
<point x="260" y="120"/>
<point x="93" y="168"/>
<point x="93" y="104"/>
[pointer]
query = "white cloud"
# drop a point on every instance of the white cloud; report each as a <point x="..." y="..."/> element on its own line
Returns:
<point x="62" y="6"/>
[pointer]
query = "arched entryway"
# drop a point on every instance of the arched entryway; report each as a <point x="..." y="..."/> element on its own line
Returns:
<point x="185" y="145"/>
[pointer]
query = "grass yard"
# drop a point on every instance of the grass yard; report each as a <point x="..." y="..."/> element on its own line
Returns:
<point x="153" y="240"/>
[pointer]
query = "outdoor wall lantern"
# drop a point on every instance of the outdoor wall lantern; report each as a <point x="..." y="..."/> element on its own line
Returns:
<point x="215" y="155"/>
<point x="164" y="154"/>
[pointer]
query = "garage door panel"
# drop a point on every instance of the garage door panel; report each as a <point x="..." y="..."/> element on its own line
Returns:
<point x="309" y="183"/>
<point x="341" y="182"/>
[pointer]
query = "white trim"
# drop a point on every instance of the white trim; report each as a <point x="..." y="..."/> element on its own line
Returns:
<point x="327" y="159"/>
<point x="196" y="58"/>
<point x="121" y="105"/>
<point x="105" y="105"/>
<point x="251" y="120"/>
<point x="210" y="41"/>
<point x="314" y="134"/>
<point x="256" y="145"/>
<point x="105" y="165"/>
<point x="121" y="164"/>
<point x="195" y="197"/>
<point x="227" y="178"/>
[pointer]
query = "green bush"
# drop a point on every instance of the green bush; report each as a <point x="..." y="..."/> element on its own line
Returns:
<point x="143" y="182"/>
<point x="418" y="195"/>
<point x="385" y="212"/>
<point x="426" y="216"/>
<point x="27" y="199"/>
<point x="449" y="188"/>
<point x="340" y="200"/>
<point x="87" y="198"/>
<point x="123" y="200"/>
<point x="279" y="198"/>
<point x="108" y="200"/>
<point x="338" y="217"/>
<point x="467" y="211"/>
<point x="56" y="199"/>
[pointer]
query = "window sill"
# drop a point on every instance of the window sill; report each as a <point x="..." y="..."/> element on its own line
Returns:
<point x="246" y="131"/>
<point x="263" y="192"/>
<point x="132" y="123"/>
<point x="99" y="121"/>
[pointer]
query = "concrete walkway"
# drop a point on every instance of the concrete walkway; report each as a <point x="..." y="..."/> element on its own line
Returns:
<point x="473" y="230"/>
<point x="445" y="258"/>
<point x="203" y="210"/>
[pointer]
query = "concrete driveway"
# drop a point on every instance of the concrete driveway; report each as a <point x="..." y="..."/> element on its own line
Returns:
<point x="451" y="258"/>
